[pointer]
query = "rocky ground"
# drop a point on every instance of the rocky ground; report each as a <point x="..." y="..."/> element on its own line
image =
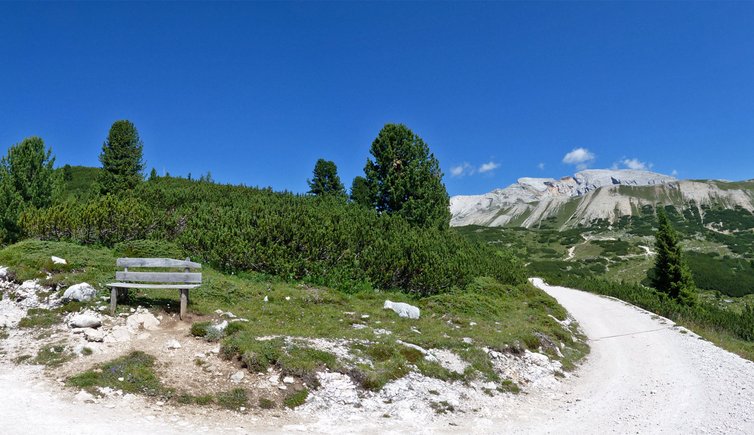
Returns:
<point x="88" y="337"/>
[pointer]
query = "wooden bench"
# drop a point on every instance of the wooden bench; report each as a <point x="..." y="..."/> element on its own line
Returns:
<point x="182" y="281"/>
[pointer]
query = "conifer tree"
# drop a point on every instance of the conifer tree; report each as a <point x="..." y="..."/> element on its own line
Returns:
<point x="405" y="178"/>
<point x="671" y="275"/>
<point x="121" y="158"/>
<point x="27" y="179"/>
<point x="325" y="179"/>
<point x="361" y="192"/>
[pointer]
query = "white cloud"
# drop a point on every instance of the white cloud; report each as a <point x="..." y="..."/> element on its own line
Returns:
<point x="462" y="170"/>
<point x="674" y="173"/>
<point x="581" y="157"/>
<point x="541" y="166"/>
<point x="635" y="164"/>
<point x="489" y="166"/>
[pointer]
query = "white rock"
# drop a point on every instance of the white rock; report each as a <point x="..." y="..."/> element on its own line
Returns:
<point x="287" y="298"/>
<point x="142" y="319"/>
<point x="237" y="376"/>
<point x="94" y="335"/>
<point x="358" y="326"/>
<point x="467" y="340"/>
<point x="58" y="260"/>
<point x="3" y="272"/>
<point x="266" y="299"/>
<point x="83" y="396"/>
<point x="80" y="292"/>
<point x="88" y="319"/>
<point x="220" y="327"/>
<point x="402" y="309"/>
<point x="119" y="334"/>
<point x="173" y="344"/>
<point x="288" y="380"/>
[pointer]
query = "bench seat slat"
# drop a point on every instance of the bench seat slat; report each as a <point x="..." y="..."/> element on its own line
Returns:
<point x="156" y="286"/>
<point x="193" y="278"/>
<point x="156" y="262"/>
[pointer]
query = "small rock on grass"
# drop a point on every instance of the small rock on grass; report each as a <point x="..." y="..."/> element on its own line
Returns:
<point x="79" y="292"/>
<point x="402" y="309"/>
<point x="58" y="260"/>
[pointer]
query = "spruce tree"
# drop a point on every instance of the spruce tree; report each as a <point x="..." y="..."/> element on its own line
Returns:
<point x="361" y="192"/>
<point x="325" y="179"/>
<point x="671" y="275"/>
<point x="27" y="179"/>
<point x="405" y="178"/>
<point x="121" y="158"/>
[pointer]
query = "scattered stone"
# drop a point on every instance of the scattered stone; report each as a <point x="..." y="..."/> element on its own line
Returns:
<point x="402" y="309"/>
<point x="80" y="292"/>
<point x="472" y="323"/>
<point x="237" y="376"/>
<point x="358" y="326"/>
<point x="287" y="298"/>
<point x="365" y="316"/>
<point x="173" y="344"/>
<point x="142" y="319"/>
<point x="288" y="380"/>
<point x="266" y="299"/>
<point x="381" y="331"/>
<point x="87" y="319"/>
<point x="119" y="334"/>
<point x="58" y="260"/>
<point x="83" y="396"/>
<point x="220" y="327"/>
<point x="467" y="340"/>
<point x="215" y="350"/>
<point x="94" y="335"/>
<point x="3" y="272"/>
<point x="121" y="379"/>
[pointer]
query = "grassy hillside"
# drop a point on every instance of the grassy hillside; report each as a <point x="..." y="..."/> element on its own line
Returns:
<point x="486" y="313"/>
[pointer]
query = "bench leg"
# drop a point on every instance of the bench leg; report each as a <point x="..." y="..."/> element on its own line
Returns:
<point x="113" y="300"/>
<point x="184" y="302"/>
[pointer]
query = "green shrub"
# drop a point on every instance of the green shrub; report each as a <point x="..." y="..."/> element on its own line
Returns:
<point x="296" y="399"/>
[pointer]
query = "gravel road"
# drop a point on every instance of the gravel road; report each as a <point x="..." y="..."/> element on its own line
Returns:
<point x="644" y="375"/>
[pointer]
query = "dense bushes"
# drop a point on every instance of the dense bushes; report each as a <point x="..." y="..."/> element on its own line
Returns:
<point x="243" y="229"/>
<point x="739" y="325"/>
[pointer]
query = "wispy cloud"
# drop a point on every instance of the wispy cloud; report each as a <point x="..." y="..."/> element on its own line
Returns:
<point x="674" y="173"/>
<point x="581" y="157"/>
<point x="636" y="164"/>
<point x="461" y="170"/>
<point x="541" y="166"/>
<point x="466" y="169"/>
<point x="488" y="167"/>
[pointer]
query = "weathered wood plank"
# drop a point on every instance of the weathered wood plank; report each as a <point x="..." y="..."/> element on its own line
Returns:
<point x="193" y="278"/>
<point x="184" y="303"/>
<point x="155" y="286"/>
<point x="156" y="262"/>
<point x="113" y="300"/>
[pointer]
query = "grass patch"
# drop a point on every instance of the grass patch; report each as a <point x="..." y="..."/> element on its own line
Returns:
<point x="39" y="318"/>
<point x="233" y="399"/>
<point x="53" y="355"/>
<point x="296" y="399"/>
<point x="136" y="371"/>
<point x="266" y="403"/>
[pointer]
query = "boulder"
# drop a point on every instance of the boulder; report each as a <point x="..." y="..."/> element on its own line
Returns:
<point x="403" y="309"/>
<point x="86" y="319"/>
<point x="3" y="272"/>
<point x="79" y="292"/>
<point x="58" y="260"/>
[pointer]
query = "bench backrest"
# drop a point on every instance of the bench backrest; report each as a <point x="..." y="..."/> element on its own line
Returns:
<point x="184" y="277"/>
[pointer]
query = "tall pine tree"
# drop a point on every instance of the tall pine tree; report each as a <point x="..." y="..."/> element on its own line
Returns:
<point x="27" y="179"/>
<point x="671" y="275"/>
<point x="405" y="178"/>
<point x="361" y="192"/>
<point x="325" y="179"/>
<point x="121" y="158"/>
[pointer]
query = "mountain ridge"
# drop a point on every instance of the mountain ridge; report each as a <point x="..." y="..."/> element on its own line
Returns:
<point x="595" y="194"/>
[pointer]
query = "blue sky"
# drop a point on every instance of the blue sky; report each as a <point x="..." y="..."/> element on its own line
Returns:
<point x="257" y="92"/>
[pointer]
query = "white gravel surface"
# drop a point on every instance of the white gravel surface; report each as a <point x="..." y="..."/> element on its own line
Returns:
<point x="643" y="376"/>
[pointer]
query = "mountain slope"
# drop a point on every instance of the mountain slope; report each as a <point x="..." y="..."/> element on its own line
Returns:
<point x="597" y="194"/>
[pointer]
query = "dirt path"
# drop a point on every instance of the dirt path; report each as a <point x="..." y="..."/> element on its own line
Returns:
<point x="644" y="375"/>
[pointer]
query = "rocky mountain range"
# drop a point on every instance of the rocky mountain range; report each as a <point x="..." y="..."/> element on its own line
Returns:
<point x="595" y="194"/>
